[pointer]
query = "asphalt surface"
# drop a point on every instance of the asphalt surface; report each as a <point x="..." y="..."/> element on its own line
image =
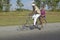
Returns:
<point x="50" y="31"/>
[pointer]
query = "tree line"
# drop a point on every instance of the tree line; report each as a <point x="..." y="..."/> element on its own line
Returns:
<point x="6" y="4"/>
<point x="51" y="3"/>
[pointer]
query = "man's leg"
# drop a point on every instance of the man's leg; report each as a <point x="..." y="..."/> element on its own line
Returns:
<point x="35" y="19"/>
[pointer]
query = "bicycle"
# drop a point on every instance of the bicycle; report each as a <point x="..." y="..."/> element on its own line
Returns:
<point x="28" y="25"/>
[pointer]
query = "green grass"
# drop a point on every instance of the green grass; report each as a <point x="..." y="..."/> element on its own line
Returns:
<point x="19" y="18"/>
<point x="53" y="17"/>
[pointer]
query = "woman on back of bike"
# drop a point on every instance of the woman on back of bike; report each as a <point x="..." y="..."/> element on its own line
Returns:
<point x="43" y="16"/>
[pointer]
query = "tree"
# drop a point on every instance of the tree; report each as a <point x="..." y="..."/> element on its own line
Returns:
<point x="58" y="5"/>
<point x="19" y="4"/>
<point x="1" y="6"/>
<point x="37" y="2"/>
<point x="51" y="3"/>
<point x="6" y="4"/>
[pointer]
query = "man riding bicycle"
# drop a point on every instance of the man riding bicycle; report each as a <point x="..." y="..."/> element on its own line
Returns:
<point x="36" y="13"/>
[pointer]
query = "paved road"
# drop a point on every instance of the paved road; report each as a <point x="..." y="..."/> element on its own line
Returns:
<point x="50" y="32"/>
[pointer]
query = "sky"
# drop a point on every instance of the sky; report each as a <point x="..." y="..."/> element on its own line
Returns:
<point x="27" y="4"/>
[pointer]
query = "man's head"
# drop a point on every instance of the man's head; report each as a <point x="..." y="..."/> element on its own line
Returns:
<point x="33" y="5"/>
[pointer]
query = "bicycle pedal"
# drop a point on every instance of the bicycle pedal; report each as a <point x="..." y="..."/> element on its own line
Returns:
<point x="39" y="28"/>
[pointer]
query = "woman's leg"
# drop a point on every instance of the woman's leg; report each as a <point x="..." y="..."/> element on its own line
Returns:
<point x="44" y="18"/>
<point x="41" y="21"/>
